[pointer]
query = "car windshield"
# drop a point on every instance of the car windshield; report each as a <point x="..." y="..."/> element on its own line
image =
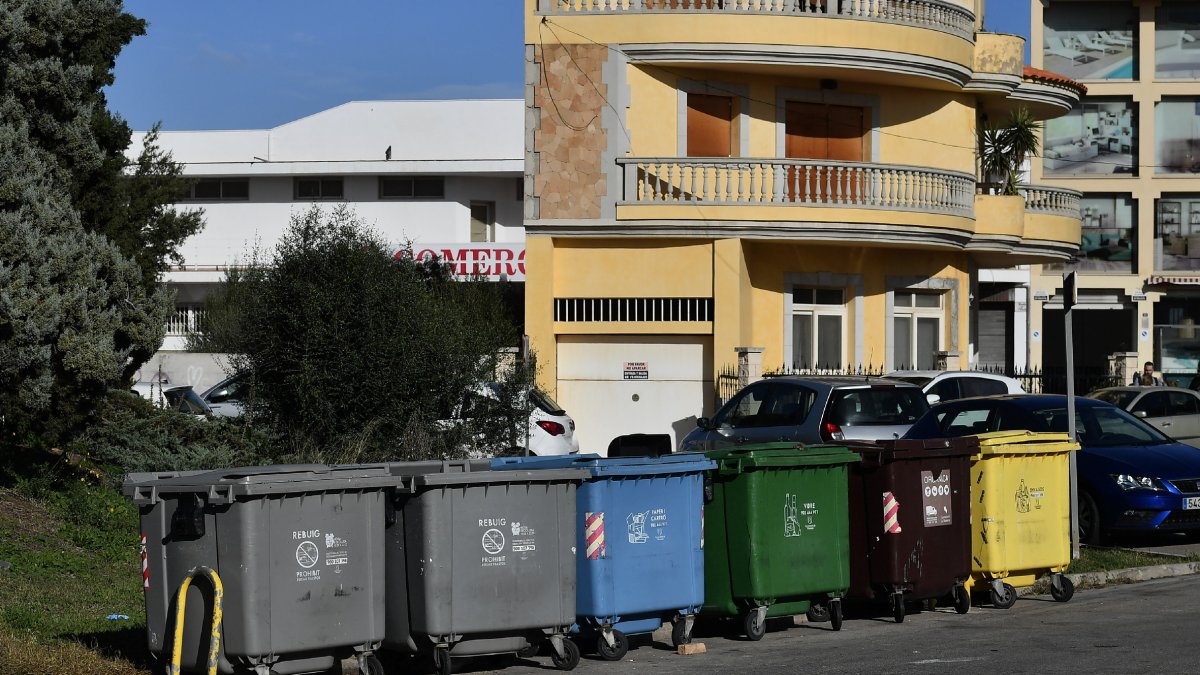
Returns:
<point x="1101" y="426"/>
<point x="543" y="401"/>
<point x="1117" y="397"/>
<point x="877" y="406"/>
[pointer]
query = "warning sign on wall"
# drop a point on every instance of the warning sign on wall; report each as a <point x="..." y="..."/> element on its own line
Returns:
<point x="636" y="370"/>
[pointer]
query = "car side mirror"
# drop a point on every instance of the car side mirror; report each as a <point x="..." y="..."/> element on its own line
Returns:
<point x="933" y="399"/>
<point x="704" y="423"/>
<point x="1140" y="413"/>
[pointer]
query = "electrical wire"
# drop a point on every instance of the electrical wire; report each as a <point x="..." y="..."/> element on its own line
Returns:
<point x="680" y="73"/>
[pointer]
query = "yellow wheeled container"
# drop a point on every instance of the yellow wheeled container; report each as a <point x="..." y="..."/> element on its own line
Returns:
<point x="1021" y="513"/>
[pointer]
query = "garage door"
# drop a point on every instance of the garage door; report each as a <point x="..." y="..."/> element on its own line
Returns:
<point x="613" y="385"/>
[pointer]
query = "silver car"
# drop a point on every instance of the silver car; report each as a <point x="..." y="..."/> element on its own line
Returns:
<point x="811" y="410"/>
<point x="1175" y="412"/>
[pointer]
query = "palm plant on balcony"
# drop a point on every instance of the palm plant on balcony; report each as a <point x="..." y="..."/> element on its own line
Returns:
<point x="1004" y="147"/>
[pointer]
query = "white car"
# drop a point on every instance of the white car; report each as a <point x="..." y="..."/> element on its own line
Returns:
<point x="949" y="385"/>
<point x="550" y="431"/>
<point x="225" y="397"/>
<point x="181" y="398"/>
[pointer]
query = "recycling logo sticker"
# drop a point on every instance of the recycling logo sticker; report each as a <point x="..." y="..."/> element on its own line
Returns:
<point x="306" y="554"/>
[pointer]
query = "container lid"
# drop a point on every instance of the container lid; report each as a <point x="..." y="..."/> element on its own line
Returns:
<point x="902" y="449"/>
<point x="781" y="455"/>
<point x="1025" y="442"/>
<point x="223" y="486"/>
<point x="415" y="476"/>
<point x="684" y="462"/>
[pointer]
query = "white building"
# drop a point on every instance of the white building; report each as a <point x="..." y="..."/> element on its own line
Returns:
<point x="445" y="176"/>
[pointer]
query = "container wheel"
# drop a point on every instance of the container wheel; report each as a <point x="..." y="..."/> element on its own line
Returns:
<point x="368" y="664"/>
<point x="1004" y="599"/>
<point x="817" y="613"/>
<point x="962" y="600"/>
<point x="442" y="661"/>
<point x="529" y="651"/>
<point x="898" y="607"/>
<point x="1068" y="589"/>
<point x="752" y="626"/>
<point x="835" y="614"/>
<point x="617" y="651"/>
<point x="679" y="633"/>
<point x="570" y="657"/>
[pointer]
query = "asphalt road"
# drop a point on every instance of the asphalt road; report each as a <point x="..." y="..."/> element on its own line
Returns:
<point x="1135" y="628"/>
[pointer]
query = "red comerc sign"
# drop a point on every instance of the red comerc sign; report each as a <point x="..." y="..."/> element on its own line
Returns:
<point x="494" y="262"/>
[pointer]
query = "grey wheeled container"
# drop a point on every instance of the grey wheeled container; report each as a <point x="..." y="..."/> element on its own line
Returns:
<point x="298" y="549"/>
<point x="481" y="562"/>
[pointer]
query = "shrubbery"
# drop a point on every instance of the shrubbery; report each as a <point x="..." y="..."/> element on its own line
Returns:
<point x="356" y="354"/>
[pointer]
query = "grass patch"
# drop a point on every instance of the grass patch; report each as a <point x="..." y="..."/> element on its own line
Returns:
<point x="74" y="560"/>
<point x="1092" y="559"/>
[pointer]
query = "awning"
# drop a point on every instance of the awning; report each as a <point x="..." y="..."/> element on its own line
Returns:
<point x="1174" y="281"/>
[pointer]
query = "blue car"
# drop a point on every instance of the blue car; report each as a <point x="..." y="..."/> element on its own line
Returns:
<point x="1132" y="478"/>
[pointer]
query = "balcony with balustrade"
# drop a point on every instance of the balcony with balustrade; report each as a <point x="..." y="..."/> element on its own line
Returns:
<point x="797" y="199"/>
<point x="926" y="43"/>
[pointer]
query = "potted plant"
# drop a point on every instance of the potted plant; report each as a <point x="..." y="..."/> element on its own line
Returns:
<point x="1003" y="148"/>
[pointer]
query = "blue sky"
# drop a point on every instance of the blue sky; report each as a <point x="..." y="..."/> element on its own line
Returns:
<point x="252" y="64"/>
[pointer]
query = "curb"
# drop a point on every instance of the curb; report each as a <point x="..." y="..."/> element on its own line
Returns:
<point x="1130" y="575"/>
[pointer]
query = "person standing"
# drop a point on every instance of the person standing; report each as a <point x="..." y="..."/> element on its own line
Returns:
<point x="1146" y="378"/>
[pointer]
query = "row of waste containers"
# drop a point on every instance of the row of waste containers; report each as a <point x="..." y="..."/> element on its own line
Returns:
<point x="305" y="564"/>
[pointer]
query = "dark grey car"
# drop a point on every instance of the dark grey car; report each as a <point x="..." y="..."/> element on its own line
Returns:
<point x="811" y="410"/>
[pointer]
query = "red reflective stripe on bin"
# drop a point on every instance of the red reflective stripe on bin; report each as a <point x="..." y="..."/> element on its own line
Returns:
<point x="145" y="564"/>
<point x="593" y="532"/>
<point x="891" y="514"/>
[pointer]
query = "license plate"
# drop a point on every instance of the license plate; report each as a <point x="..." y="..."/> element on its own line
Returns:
<point x="1191" y="502"/>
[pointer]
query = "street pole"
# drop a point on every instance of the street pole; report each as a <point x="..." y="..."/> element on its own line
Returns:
<point x="1070" y="297"/>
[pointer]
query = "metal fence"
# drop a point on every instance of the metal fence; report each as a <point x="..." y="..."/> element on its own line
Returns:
<point x="1034" y="381"/>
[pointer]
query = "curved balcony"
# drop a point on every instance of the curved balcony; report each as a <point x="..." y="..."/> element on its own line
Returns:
<point x="932" y="14"/>
<point x="909" y="42"/>
<point x="797" y="198"/>
<point x="1051" y="201"/>
<point x="1039" y="225"/>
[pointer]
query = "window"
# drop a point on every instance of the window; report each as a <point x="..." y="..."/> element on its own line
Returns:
<point x="412" y="187"/>
<point x="818" y="324"/>
<point x="1108" y="237"/>
<point x="319" y="188"/>
<point x="768" y="405"/>
<point x="483" y="226"/>
<point x="981" y="386"/>
<point x="1097" y="41"/>
<point x="709" y="125"/>
<point x="229" y="189"/>
<point x="1152" y="405"/>
<point x="917" y="329"/>
<point x="966" y="422"/>
<point x="1181" y="403"/>
<point x="1098" y="137"/>
<point x="946" y="390"/>
<point x="1177" y="132"/>
<point x="742" y="411"/>
<point x="1177" y="41"/>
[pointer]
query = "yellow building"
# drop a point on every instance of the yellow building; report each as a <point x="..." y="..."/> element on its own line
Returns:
<point x="794" y="180"/>
<point x="1132" y="147"/>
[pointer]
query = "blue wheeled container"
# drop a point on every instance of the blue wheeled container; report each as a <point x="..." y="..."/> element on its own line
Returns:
<point x="640" y="550"/>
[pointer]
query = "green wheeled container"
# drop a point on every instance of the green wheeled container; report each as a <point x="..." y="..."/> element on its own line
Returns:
<point x="777" y="536"/>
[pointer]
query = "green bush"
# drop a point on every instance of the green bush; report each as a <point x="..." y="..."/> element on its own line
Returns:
<point x="355" y="354"/>
<point x="132" y="435"/>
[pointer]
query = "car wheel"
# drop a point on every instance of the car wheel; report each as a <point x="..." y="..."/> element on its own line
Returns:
<point x="1089" y="520"/>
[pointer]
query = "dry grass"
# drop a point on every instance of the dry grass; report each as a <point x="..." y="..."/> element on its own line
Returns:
<point x="23" y="655"/>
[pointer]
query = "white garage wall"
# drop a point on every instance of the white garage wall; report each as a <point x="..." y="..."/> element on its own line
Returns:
<point x="592" y="388"/>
